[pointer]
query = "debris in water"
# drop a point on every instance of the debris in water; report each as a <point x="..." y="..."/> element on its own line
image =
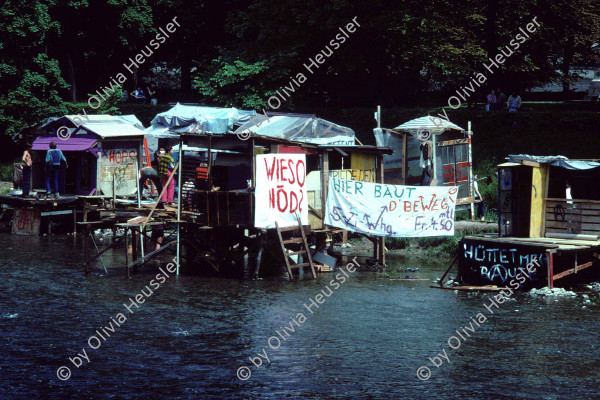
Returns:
<point x="552" y="292"/>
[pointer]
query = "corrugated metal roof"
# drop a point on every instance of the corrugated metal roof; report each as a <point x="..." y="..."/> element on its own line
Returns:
<point x="108" y="130"/>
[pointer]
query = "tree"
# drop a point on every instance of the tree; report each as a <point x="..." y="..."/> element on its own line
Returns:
<point x="30" y="80"/>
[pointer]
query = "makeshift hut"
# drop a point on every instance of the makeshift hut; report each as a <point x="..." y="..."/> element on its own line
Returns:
<point x="549" y="209"/>
<point x="103" y="152"/>
<point x="428" y="151"/>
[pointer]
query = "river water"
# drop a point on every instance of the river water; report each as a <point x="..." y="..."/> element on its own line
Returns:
<point x="191" y="335"/>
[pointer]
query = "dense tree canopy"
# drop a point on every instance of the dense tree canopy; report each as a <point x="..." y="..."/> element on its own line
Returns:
<point x="239" y="53"/>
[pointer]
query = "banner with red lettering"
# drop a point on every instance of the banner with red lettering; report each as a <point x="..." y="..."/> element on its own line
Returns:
<point x="280" y="190"/>
<point x="391" y="210"/>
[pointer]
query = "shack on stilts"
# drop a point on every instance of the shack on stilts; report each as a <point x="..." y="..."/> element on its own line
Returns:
<point x="220" y="204"/>
<point x="549" y="210"/>
<point x="430" y="151"/>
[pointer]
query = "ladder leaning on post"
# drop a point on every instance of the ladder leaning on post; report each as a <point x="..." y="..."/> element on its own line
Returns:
<point x="289" y="262"/>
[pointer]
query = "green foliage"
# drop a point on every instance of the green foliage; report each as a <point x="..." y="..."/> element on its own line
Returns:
<point x="235" y="84"/>
<point x="6" y="172"/>
<point x="30" y="80"/>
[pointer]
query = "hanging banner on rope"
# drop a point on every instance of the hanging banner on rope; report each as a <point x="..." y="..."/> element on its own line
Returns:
<point x="391" y="210"/>
<point x="280" y="191"/>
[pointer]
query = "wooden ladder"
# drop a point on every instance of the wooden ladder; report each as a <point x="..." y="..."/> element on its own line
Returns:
<point x="289" y="262"/>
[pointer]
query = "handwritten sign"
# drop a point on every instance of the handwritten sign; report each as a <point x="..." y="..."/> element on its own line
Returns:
<point x="280" y="190"/>
<point x="26" y="222"/>
<point x="391" y="210"/>
<point x="366" y="175"/>
<point x="493" y="263"/>
<point x="119" y="165"/>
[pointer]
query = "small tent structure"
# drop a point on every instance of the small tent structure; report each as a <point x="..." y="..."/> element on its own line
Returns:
<point x="428" y="151"/>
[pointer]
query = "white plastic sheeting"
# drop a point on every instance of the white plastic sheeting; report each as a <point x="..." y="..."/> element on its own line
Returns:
<point x="300" y="128"/>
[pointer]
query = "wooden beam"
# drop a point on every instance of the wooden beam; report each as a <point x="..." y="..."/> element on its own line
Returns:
<point x="150" y="255"/>
<point x="572" y="270"/>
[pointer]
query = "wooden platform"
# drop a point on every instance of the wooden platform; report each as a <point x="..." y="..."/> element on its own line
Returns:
<point x="559" y="244"/>
<point x="23" y="202"/>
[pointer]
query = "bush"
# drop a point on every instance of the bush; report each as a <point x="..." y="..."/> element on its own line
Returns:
<point x="6" y="172"/>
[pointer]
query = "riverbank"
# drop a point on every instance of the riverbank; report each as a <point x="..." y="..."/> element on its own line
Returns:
<point x="443" y="247"/>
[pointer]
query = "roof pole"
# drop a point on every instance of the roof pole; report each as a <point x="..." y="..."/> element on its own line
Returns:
<point x="471" y="183"/>
<point x="179" y="196"/>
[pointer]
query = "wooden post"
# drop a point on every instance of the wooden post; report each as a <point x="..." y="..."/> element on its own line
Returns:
<point x="324" y="184"/>
<point x="404" y="161"/>
<point x="74" y="222"/>
<point x="134" y="250"/>
<point x="471" y="183"/>
<point x="86" y="236"/>
<point x="380" y="240"/>
<point x="179" y="195"/>
<point x="126" y="253"/>
<point x="550" y="262"/>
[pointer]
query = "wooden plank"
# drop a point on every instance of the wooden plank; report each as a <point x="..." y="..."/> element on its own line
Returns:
<point x="160" y="196"/>
<point x="572" y="270"/>
<point x="487" y="288"/>
<point x="149" y="255"/>
<point x="295" y="240"/>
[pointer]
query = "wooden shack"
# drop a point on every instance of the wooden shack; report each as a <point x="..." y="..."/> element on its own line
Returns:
<point x="549" y="209"/>
<point x="103" y="152"/>
<point x="218" y="198"/>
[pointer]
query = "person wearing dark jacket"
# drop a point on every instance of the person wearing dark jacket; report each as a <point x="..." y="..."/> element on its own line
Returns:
<point x="53" y="159"/>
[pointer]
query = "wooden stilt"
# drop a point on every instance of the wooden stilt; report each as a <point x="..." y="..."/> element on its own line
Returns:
<point x="128" y="274"/>
<point x="550" y="269"/>
<point x="74" y="221"/>
<point x="86" y="237"/>
<point x="134" y="247"/>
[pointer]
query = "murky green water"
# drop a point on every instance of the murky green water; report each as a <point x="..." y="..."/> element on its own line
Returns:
<point x="190" y="336"/>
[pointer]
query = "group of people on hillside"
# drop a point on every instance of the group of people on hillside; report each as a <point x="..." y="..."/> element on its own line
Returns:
<point x="496" y="101"/>
<point x="141" y="96"/>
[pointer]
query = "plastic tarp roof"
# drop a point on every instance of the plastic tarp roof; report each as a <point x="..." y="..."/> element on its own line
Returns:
<point x="555" y="161"/>
<point x="300" y="128"/>
<point x="183" y="119"/>
<point x="103" y="125"/>
<point x="427" y="123"/>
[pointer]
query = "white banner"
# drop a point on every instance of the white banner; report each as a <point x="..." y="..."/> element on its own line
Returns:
<point x="391" y="210"/>
<point x="280" y="190"/>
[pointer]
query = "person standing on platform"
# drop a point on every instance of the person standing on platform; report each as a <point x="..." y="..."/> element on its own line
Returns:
<point x="53" y="159"/>
<point x="166" y="165"/>
<point x="27" y="171"/>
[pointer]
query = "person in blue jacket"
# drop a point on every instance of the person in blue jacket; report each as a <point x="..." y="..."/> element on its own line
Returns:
<point x="53" y="159"/>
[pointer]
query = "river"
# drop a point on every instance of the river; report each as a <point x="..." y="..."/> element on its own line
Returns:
<point x="192" y="334"/>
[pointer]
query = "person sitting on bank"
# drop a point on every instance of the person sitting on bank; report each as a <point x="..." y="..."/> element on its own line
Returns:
<point x="139" y="95"/>
<point x="53" y="159"/>
<point x="481" y="204"/>
<point x="26" y="185"/>
<point x="514" y="102"/>
<point x="166" y="165"/>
